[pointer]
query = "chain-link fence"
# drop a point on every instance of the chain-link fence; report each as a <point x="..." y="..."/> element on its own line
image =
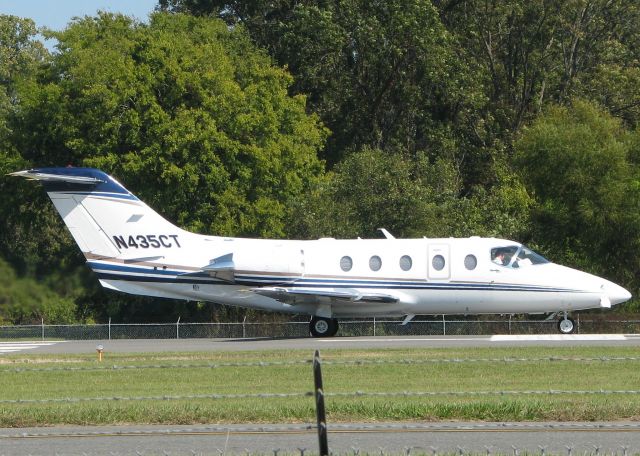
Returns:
<point x="348" y="328"/>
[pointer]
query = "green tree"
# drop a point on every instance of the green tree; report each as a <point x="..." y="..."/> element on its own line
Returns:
<point x="185" y="111"/>
<point x="616" y="87"/>
<point x="389" y="77"/>
<point x="539" y="51"/>
<point x="577" y="163"/>
<point x="21" y="55"/>
<point x="25" y="301"/>
<point x="371" y="189"/>
<point x="384" y="75"/>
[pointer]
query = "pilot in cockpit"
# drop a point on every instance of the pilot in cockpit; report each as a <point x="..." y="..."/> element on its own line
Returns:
<point x="498" y="257"/>
<point x="516" y="256"/>
<point x="502" y="256"/>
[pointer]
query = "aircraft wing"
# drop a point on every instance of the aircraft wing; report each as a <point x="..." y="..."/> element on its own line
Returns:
<point x="299" y="295"/>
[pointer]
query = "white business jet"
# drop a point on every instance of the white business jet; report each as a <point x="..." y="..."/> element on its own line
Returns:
<point x="134" y="250"/>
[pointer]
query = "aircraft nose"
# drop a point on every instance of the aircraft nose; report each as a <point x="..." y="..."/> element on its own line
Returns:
<point x="615" y="293"/>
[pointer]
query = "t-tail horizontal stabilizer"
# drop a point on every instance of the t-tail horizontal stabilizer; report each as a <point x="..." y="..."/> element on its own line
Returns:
<point x="32" y="174"/>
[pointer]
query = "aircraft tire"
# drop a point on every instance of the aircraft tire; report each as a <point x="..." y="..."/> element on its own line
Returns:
<point x="323" y="327"/>
<point x="566" y="325"/>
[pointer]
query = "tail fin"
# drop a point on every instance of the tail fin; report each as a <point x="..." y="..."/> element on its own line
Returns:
<point x="104" y="218"/>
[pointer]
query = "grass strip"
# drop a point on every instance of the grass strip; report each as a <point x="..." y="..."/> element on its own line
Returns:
<point x="80" y="378"/>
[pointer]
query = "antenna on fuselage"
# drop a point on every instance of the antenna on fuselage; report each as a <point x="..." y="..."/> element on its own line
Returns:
<point x="386" y="233"/>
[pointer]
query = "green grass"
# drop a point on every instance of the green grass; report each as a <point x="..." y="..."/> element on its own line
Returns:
<point x="20" y="381"/>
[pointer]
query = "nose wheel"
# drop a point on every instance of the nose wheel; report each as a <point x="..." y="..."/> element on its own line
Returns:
<point x="566" y="325"/>
<point x="323" y="327"/>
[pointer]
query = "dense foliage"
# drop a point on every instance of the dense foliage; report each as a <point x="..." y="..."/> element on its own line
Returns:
<point x="576" y="160"/>
<point x="517" y="119"/>
<point x="24" y="300"/>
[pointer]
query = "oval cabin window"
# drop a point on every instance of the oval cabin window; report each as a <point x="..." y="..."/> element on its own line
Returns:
<point x="470" y="262"/>
<point x="438" y="262"/>
<point x="375" y="263"/>
<point x="346" y="263"/>
<point x="405" y="262"/>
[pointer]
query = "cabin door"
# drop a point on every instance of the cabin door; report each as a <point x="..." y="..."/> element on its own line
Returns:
<point x="282" y="260"/>
<point x="438" y="262"/>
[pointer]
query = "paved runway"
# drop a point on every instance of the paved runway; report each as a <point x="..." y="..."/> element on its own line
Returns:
<point x="15" y="347"/>
<point x="389" y="438"/>
<point x="191" y="345"/>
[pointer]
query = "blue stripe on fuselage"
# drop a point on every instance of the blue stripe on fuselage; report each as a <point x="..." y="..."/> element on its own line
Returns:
<point x="148" y="274"/>
<point x="96" y="266"/>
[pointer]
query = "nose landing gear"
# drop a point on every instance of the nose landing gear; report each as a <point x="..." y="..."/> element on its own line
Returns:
<point x="566" y="325"/>
<point x="323" y="327"/>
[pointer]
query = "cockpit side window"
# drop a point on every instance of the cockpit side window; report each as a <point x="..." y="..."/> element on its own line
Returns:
<point x="502" y="256"/>
<point x="516" y="256"/>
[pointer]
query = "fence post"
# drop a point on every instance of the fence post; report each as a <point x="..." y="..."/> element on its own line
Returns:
<point x="178" y="328"/>
<point x="374" y="326"/>
<point x="109" y="328"/>
<point x="444" y="326"/>
<point x="509" y="324"/>
<point x="43" y="329"/>
<point x="578" y="324"/>
<point x="244" y="329"/>
<point x="320" y="411"/>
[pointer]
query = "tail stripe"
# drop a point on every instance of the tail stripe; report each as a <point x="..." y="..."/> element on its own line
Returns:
<point x="104" y="194"/>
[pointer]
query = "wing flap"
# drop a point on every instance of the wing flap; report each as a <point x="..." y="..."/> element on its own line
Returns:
<point x="298" y="295"/>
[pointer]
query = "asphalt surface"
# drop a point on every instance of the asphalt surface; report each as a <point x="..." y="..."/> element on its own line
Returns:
<point x="387" y="438"/>
<point x="191" y="345"/>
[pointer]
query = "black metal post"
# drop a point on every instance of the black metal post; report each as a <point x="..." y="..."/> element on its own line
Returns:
<point x="320" y="411"/>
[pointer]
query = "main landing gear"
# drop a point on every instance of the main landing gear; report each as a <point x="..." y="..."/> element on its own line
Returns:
<point x="323" y="327"/>
<point x="566" y="325"/>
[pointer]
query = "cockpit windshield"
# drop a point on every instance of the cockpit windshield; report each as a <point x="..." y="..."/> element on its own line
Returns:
<point x="516" y="256"/>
